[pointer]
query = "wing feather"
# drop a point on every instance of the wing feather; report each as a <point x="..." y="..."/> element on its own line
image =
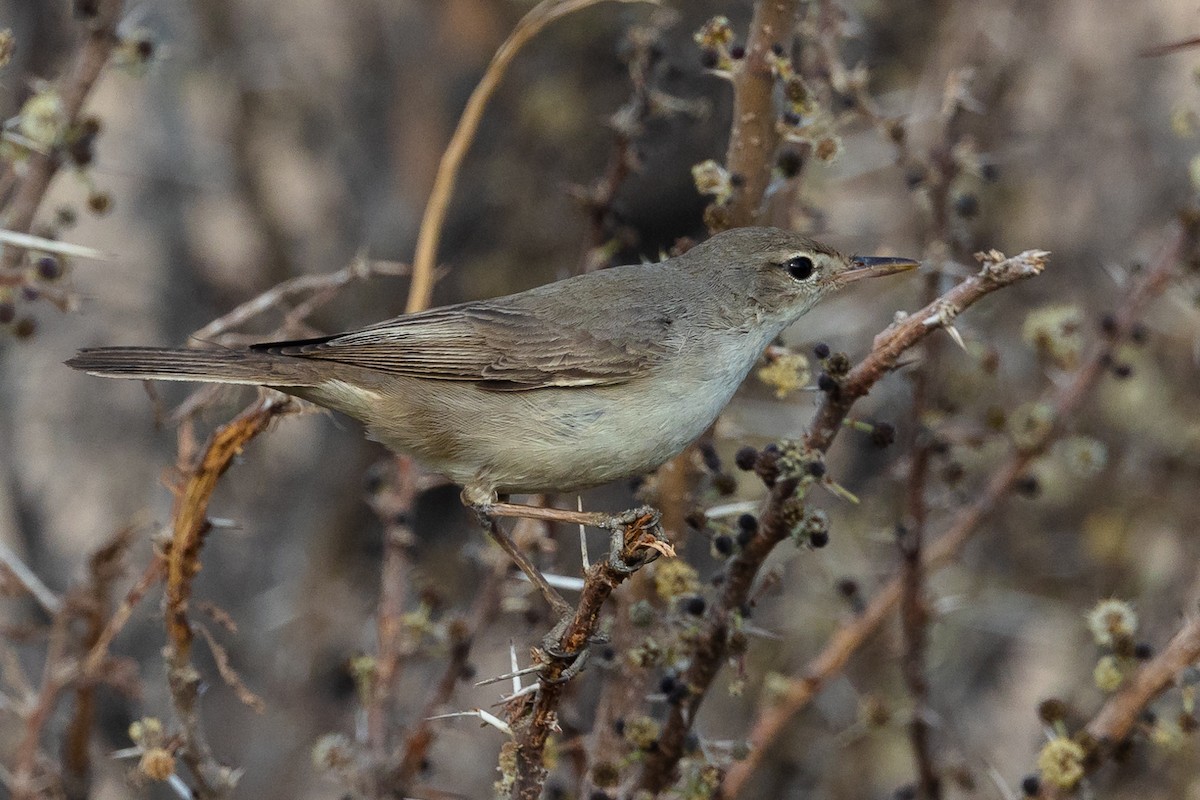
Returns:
<point x="499" y="347"/>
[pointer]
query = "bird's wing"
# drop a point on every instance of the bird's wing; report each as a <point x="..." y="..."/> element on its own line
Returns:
<point x="502" y="347"/>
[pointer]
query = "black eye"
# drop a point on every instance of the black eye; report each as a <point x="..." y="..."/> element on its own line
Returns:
<point x="799" y="267"/>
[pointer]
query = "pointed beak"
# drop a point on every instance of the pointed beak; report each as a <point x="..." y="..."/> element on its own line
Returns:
<point x="875" y="266"/>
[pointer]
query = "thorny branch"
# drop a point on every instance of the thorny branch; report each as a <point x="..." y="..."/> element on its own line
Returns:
<point x="854" y="633"/>
<point x="183" y="562"/>
<point x="777" y="521"/>
<point x="641" y="544"/>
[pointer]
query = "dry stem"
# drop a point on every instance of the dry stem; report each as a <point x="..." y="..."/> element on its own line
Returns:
<point x="421" y="291"/>
<point x="183" y="562"/>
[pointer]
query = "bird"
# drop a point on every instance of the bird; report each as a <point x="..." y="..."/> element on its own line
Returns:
<point x="569" y="385"/>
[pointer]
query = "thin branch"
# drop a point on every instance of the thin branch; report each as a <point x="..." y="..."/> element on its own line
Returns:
<point x="276" y="296"/>
<point x="776" y="523"/>
<point x="42" y="167"/>
<point x="29" y="580"/>
<point x="421" y="291"/>
<point x="854" y="633"/>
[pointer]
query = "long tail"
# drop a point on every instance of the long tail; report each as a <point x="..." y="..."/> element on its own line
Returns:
<point x="204" y="366"/>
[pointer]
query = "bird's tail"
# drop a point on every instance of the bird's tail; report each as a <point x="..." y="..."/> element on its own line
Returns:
<point x="203" y="366"/>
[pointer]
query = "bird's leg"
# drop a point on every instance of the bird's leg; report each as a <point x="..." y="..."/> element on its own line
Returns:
<point x="637" y="539"/>
<point x="637" y="535"/>
<point x="560" y="606"/>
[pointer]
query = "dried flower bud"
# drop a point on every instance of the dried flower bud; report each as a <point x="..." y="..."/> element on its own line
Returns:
<point x="1110" y="619"/>
<point x="1061" y="762"/>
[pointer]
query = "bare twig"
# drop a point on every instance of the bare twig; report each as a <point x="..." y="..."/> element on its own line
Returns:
<point x="854" y="633"/>
<point x="41" y="168"/>
<point x="421" y="291"/>
<point x="777" y="521"/>
<point x="29" y="580"/>
<point x="361" y="269"/>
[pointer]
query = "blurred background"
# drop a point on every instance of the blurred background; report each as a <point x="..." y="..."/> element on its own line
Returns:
<point x="257" y="141"/>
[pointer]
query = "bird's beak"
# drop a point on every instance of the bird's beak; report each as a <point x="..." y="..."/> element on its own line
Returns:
<point x="875" y="266"/>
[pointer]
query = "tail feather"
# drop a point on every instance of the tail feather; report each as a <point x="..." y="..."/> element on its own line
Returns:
<point x="203" y="366"/>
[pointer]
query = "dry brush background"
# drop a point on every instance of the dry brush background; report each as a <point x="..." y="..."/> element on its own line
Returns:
<point x="243" y="144"/>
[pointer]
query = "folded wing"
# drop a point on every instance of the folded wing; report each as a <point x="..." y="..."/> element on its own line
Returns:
<point x="501" y="348"/>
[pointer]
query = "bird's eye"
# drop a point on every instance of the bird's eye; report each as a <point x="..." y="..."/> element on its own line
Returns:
<point x="799" y="267"/>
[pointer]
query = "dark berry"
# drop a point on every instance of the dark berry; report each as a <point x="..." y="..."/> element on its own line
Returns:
<point x="883" y="434"/>
<point x="1142" y="651"/>
<point x="1030" y="785"/>
<point x="791" y="119"/>
<point x="1027" y="486"/>
<point x="966" y="206"/>
<point x="25" y="328"/>
<point x="790" y="162"/>
<point x="1122" y="371"/>
<point x="847" y="587"/>
<point x="712" y="461"/>
<point x="709" y="58"/>
<point x="826" y="383"/>
<point x="694" y="605"/>
<point x="723" y="545"/>
<point x="737" y="180"/>
<point x="821" y="350"/>
<point x="725" y="484"/>
<point x="747" y="522"/>
<point x="818" y="539"/>
<point x="737" y="52"/>
<point x="745" y="458"/>
<point x="777" y="49"/>
<point x="816" y="469"/>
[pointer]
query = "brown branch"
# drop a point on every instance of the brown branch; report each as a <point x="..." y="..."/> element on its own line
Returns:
<point x="1121" y="712"/>
<point x="753" y="136"/>
<point x="854" y="633"/>
<point x="780" y="516"/>
<point x="394" y="507"/>
<point x="599" y="582"/>
<point x="420" y="293"/>
<point x="24" y="784"/>
<point x="462" y="636"/>
<point x="104" y="567"/>
<point x="183" y="563"/>
<point x="42" y="167"/>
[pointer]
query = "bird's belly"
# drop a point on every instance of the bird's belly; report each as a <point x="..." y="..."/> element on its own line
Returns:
<point x="554" y="439"/>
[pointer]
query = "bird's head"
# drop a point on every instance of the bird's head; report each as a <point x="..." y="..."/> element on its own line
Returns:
<point x="784" y="273"/>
